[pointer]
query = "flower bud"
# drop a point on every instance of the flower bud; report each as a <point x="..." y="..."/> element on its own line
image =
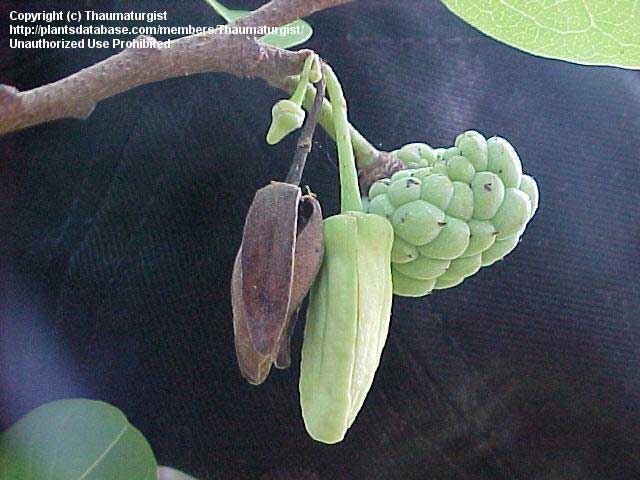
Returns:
<point x="287" y="116"/>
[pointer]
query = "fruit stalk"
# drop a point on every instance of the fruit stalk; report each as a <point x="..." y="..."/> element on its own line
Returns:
<point x="366" y="153"/>
<point x="349" y="190"/>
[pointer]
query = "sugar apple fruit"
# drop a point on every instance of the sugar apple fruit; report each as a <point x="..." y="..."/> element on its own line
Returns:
<point x="453" y="210"/>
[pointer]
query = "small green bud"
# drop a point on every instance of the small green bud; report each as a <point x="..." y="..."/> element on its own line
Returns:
<point x="286" y="116"/>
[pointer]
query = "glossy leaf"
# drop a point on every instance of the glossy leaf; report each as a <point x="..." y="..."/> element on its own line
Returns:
<point x="294" y="33"/>
<point x="75" y="440"/>
<point x="590" y="32"/>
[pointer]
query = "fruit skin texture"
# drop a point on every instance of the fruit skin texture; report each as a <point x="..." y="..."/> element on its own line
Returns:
<point x="453" y="210"/>
<point x="347" y="322"/>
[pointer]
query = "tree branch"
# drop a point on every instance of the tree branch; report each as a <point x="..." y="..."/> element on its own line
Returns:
<point x="76" y="96"/>
<point x="280" y="12"/>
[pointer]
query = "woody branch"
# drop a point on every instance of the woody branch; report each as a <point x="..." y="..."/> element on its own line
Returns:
<point x="76" y="95"/>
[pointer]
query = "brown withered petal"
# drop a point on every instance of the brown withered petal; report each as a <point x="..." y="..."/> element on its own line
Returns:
<point x="268" y="244"/>
<point x="308" y="257"/>
<point x="253" y="366"/>
<point x="283" y="359"/>
<point x="278" y="259"/>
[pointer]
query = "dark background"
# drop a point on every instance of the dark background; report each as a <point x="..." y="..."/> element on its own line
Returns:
<point x="117" y="237"/>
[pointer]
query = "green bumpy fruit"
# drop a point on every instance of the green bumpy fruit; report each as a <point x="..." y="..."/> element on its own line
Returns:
<point x="453" y="210"/>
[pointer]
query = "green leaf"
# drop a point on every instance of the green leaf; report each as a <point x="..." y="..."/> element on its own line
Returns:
<point x="289" y="35"/>
<point x="166" y="473"/>
<point x="75" y="440"/>
<point x="590" y="32"/>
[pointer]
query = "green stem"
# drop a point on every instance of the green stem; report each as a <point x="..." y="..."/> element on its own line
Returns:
<point x="350" y="200"/>
<point x="366" y="153"/>
<point x="298" y="94"/>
